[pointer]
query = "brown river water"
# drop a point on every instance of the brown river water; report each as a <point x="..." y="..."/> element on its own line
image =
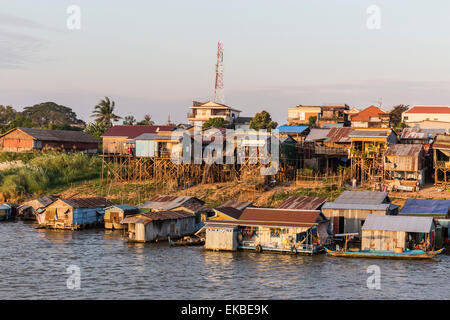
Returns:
<point x="34" y="265"/>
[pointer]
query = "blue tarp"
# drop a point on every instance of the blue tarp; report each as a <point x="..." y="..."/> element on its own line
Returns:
<point x="426" y="206"/>
<point x="291" y="129"/>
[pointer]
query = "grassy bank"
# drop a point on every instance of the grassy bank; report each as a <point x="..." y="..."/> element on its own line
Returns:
<point x="25" y="175"/>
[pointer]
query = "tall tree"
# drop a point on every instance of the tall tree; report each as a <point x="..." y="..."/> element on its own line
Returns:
<point x="96" y="129"/>
<point x="104" y="112"/>
<point x="147" y="121"/>
<point x="263" y="120"/>
<point x="7" y="114"/>
<point x="395" y="115"/>
<point x="312" y="121"/>
<point x="215" y="123"/>
<point x="49" y="114"/>
<point x="129" y="120"/>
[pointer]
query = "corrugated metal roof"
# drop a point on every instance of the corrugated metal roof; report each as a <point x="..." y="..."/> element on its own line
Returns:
<point x="58" y="135"/>
<point x="280" y="216"/>
<point x="357" y="206"/>
<point x="123" y="207"/>
<point x="426" y="206"/>
<point x="157" y="216"/>
<point x="132" y="131"/>
<point x="332" y="125"/>
<point x="230" y="211"/>
<point x="291" y="129"/>
<point x="155" y="136"/>
<point x="404" y="150"/>
<point x="362" y="197"/>
<point x="398" y="223"/>
<point x="317" y="134"/>
<point x="165" y="202"/>
<point x="339" y="135"/>
<point x="420" y="134"/>
<point x="4" y="207"/>
<point x="88" y="202"/>
<point x="369" y="133"/>
<point x="302" y="203"/>
<point x="240" y="205"/>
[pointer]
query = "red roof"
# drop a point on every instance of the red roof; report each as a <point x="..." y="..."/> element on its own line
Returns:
<point x="367" y="113"/>
<point x="132" y="132"/>
<point x="279" y="216"/>
<point x="429" y="109"/>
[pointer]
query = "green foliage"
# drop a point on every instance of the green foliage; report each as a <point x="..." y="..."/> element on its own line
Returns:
<point x="104" y="112"/>
<point x="96" y="129"/>
<point x="129" y="120"/>
<point x="47" y="170"/>
<point x="7" y="114"/>
<point x="395" y="115"/>
<point x="312" y="121"/>
<point x="49" y="113"/>
<point x="216" y="123"/>
<point x="263" y="120"/>
<point x="147" y="121"/>
<point x="19" y="121"/>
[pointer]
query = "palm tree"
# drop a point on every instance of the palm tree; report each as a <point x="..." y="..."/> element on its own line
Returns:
<point x="147" y="121"/>
<point x="104" y="112"/>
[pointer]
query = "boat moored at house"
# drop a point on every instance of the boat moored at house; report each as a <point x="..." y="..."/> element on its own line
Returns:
<point x="263" y="229"/>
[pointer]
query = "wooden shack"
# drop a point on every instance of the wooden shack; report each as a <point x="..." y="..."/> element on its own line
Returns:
<point x="120" y="139"/>
<point x="262" y="229"/>
<point x="399" y="233"/>
<point x="441" y="149"/>
<point x="438" y="209"/>
<point x="404" y="166"/>
<point x="115" y="214"/>
<point x="154" y="226"/>
<point x="75" y="213"/>
<point x="189" y="204"/>
<point x="349" y="211"/>
<point x="29" y="210"/>
<point x="28" y="139"/>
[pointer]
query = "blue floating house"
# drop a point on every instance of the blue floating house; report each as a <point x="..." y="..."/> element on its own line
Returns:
<point x="75" y="213"/>
<point x="7" y="211"/>
<point x="439" y="209"/>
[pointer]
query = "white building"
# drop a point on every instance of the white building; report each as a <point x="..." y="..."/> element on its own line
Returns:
<point x="428" y="117"/>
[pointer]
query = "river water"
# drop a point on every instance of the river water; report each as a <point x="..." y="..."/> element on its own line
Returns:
<point x="34" y="265"/>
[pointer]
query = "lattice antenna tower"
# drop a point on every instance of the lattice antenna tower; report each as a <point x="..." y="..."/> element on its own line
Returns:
<point x="219" y="95"/>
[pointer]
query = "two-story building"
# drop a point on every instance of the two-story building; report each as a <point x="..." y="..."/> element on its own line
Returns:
<point x="324" y="115"/>
<point x="371" y="117"/>
<point x="428" y="117"/>
<point x="202" y="112"/>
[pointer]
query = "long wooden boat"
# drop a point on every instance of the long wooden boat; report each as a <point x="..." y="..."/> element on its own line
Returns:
<point x="187" y="241"/>
<point x="408" y="254"/>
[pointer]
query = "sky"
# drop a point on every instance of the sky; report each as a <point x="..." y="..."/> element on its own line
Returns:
<point x="155" y="57"/>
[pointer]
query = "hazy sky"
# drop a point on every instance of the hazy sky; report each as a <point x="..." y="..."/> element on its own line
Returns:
<point x="157" y="56"/>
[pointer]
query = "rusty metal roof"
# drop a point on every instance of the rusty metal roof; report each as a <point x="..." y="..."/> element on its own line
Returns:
<point x="157" y="216"/>
<point x="339" y="134"/>
<point x="240" y="205"/>
<point x="302" y="203"/>
<point x="46" y="200"/>
<point x="165" y="202"/>
<point x="132" y="131"/>
<point x="370" y="133"/>
<point x="404" y="150"/>
<point x="230" y="211"/>
<point x="280" y="217"/>
<point x="442" y="142"/>
<point x="317" y="134"/>
<point x="420" y="134"/>
<point x="87" y="202"/>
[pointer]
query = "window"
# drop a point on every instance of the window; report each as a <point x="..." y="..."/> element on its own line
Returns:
<point x="302" y="116"/>
<point x="275" y="232"/>
<point x="172" y="227"/>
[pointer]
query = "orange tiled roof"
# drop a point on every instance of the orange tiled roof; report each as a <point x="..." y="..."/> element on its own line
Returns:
<point x="429" y="109"/>
<point x="367" y="113"/>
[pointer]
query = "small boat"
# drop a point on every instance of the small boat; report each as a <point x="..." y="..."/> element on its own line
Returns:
<point x="408" y="254"/>
<point x="187" y="241"/>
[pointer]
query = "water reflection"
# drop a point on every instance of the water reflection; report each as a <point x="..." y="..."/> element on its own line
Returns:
<point x="35" y="261"/>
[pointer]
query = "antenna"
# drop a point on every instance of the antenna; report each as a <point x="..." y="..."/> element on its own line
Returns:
<point x="219" y="96"/>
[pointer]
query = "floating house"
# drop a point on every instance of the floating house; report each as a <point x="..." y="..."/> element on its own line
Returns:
<point x="349" y="211"/>
<point x="8" y="211"/>
<point x="188" y="204"/>
<point x="261" y="229"/>
<point x="231" y="210"/>
<point x="404" y="166"/>
<point x="115" y="214"/>
<point x="438" y="209"/>
<point x="302" y="203"/>
<point x="75" y="213"/>
<point x="29" y="210"/>
<point x="397" y="233"/>
<point x="154" y="226"/>
<point x="441" y="158"/>
<point x="28" y="139"/>
<point x="120" y="139"/>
